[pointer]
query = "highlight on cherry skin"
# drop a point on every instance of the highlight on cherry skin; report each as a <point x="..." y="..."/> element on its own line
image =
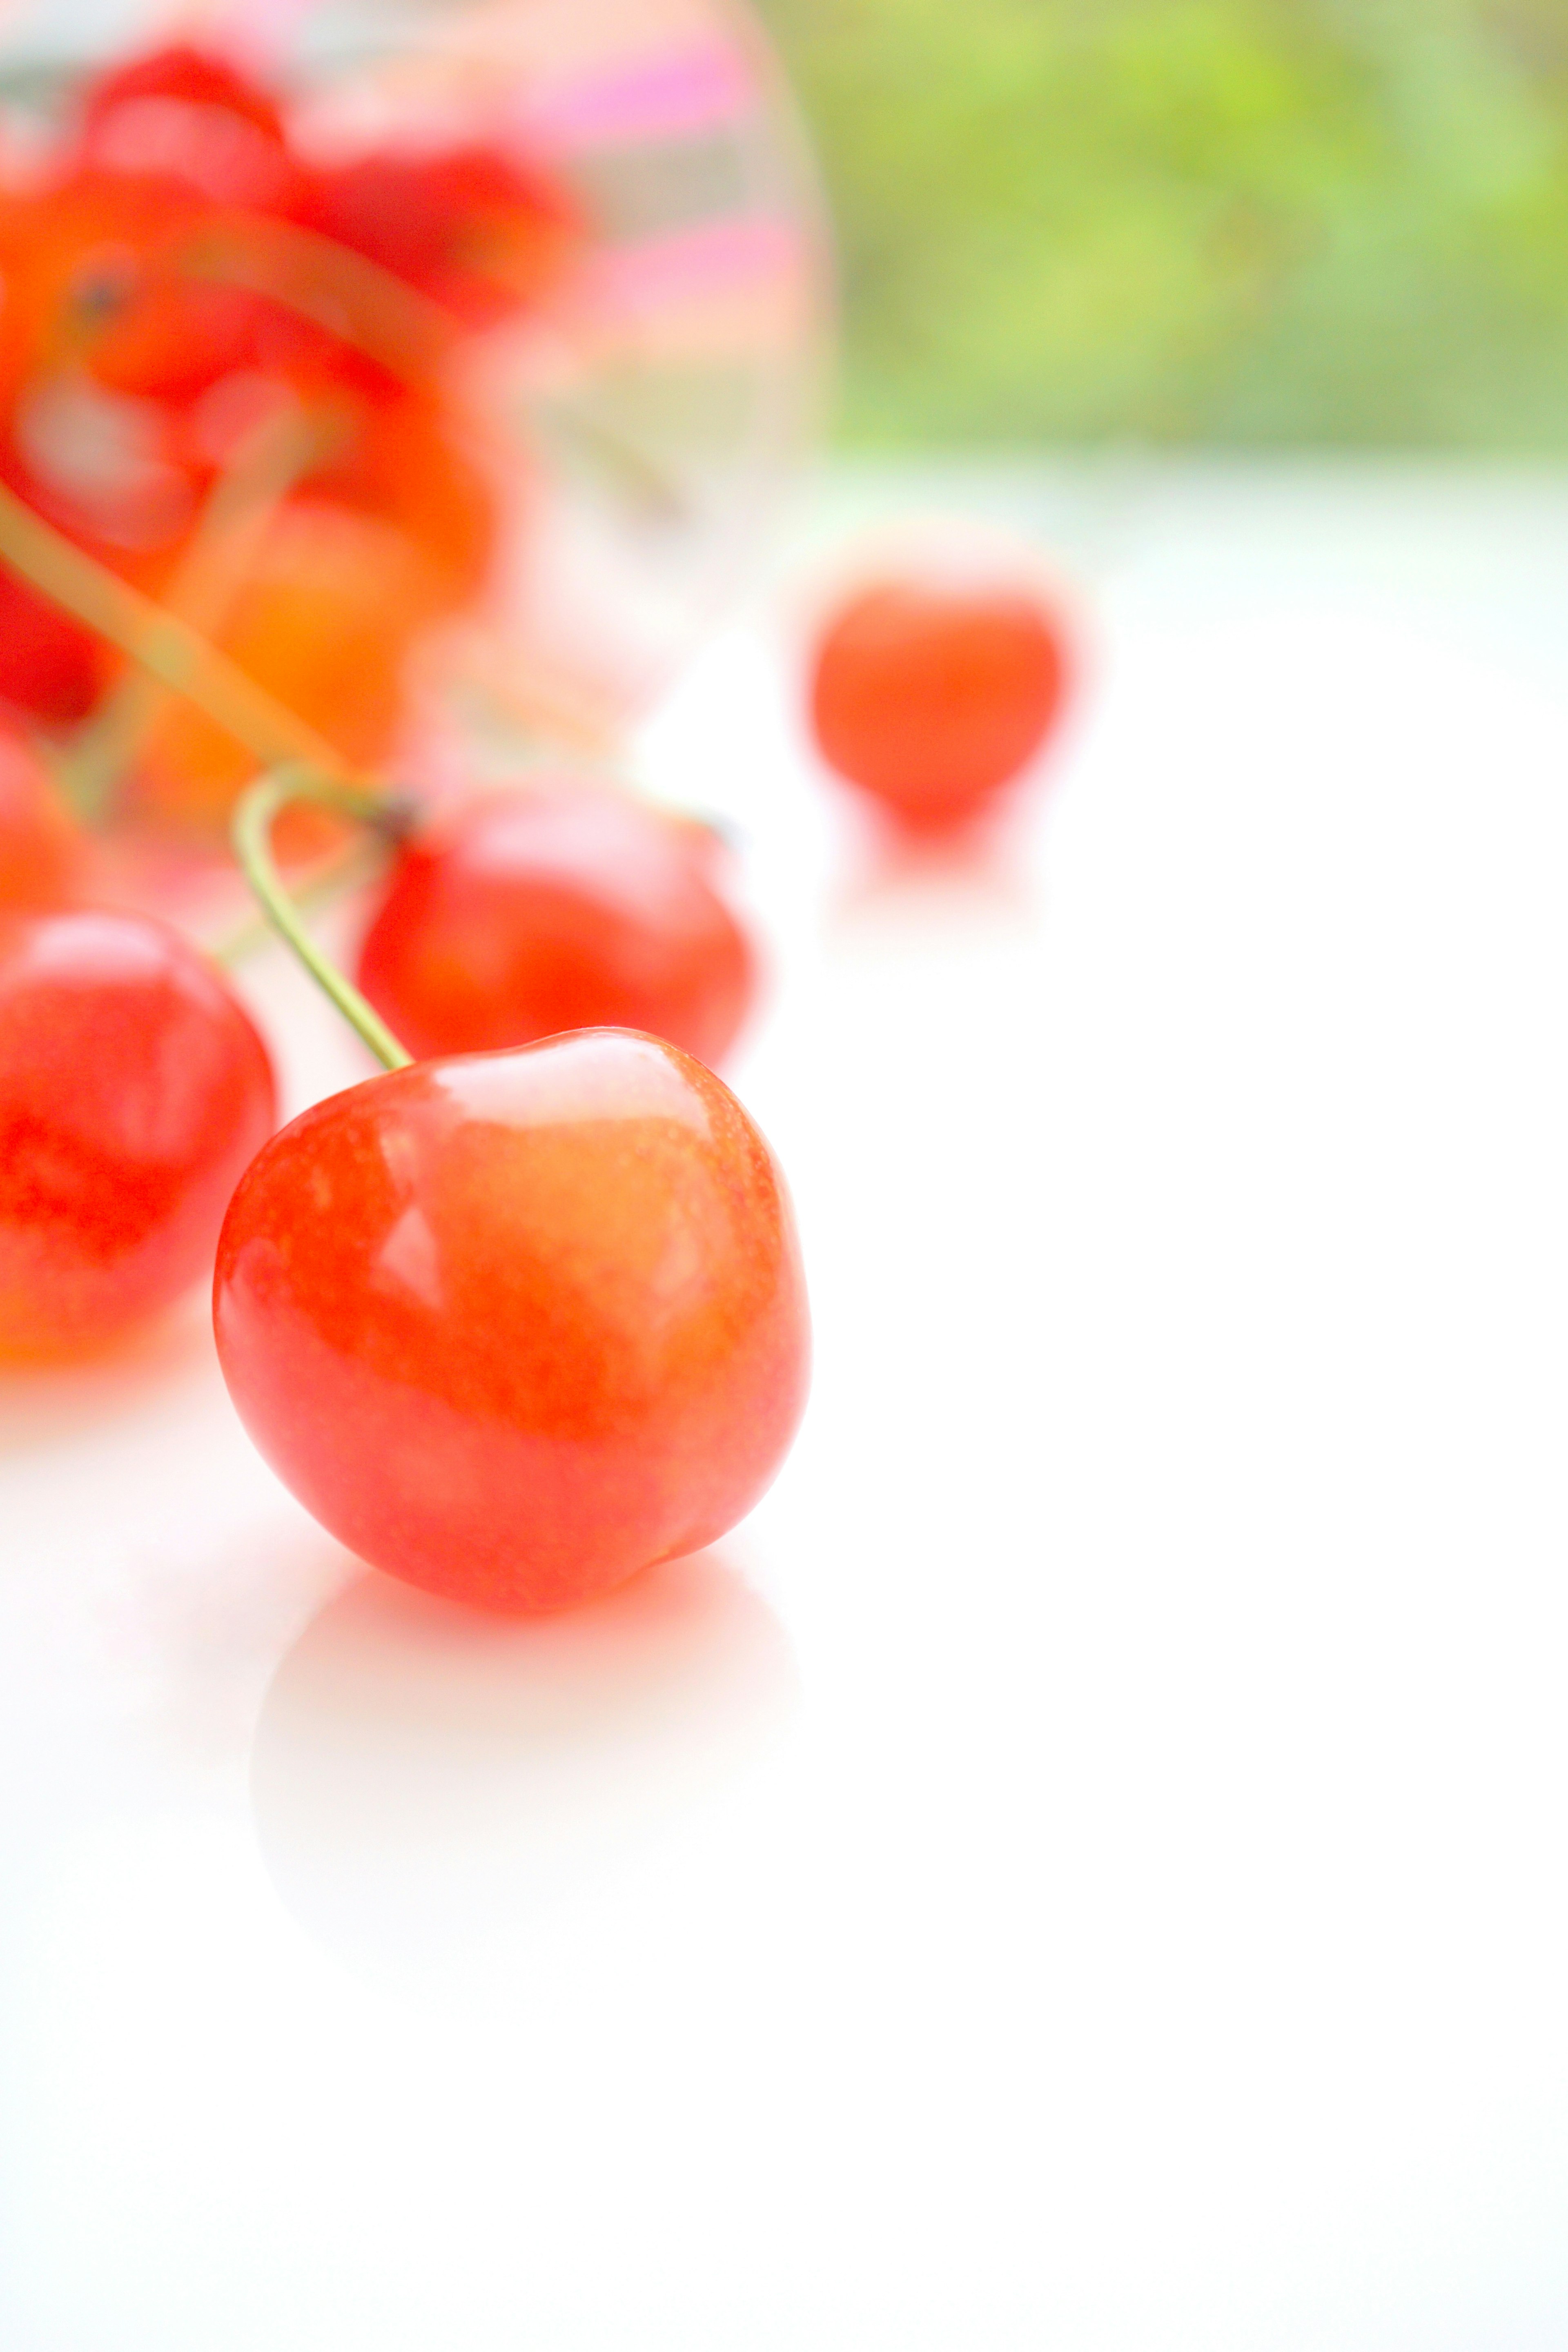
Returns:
<point x="931" y="696"/>
<point x="515" y="1325"/>
<point x="566" y="905"/>
<point x="134" y="1091"/>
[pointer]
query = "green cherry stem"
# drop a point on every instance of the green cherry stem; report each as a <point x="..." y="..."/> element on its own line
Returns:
<point x="320" y="886"/>
<point x="159" y="640"/>
<point x="253" y="820"/>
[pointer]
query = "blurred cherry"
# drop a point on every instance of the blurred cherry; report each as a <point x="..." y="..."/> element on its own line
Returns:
<point x="49" y="666"/>
<point x="515" y="1325"/>
<point x="325" y="622"/>
<point x="930" y="698"/>
<point x="41" y="847"/>
<point x="480" y="233"/>
<point x="101" y="283"/>
<point x="189" y="115"/>
<point x="401" y="462"/>
<point x="133" y="1090"/>
<point x="560" y="906"/>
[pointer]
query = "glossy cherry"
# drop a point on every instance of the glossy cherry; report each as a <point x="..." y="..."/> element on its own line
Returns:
<point x="42" y="850"/>
<point x="930" y="698"/>
<point x="562" y="906"/>
<point x="133" y="1090"/>
<point x="514" y="1326"/>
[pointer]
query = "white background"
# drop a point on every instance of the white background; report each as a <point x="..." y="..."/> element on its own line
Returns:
<point x="1086" y="1865"/>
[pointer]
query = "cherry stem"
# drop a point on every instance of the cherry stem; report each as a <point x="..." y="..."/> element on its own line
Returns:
<point x="160" y="641"/>
<point x="253" y="820"/>
<point x="320" y="885"/>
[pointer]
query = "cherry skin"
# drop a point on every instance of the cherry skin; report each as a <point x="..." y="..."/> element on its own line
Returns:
<point x="478" y="232"/>
<point x="931" y="698"/>
<point x="50" y="667"/>
<point x="136" y="108"/>
<point x="42" y="852"/>
<point x="134" y="1091"/>
<point x="563" y="907"/>
<point x="515" y="1325"/>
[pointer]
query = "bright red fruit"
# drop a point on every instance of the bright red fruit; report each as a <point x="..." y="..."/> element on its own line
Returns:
<point x="558" y="908"/>
<point x="133" y="1090"/>
<point x="478" y="232"/>
<point x="49" y="666"/>
<point x="41" y="849"/>
<point x="174" y="77"/>
<point x="931" y="698"/>
<point x="514" y="1326"/>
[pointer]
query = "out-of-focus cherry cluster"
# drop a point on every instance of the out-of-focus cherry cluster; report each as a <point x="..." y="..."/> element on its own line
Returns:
<point x="525" y="1313"/>
<point x="224" y="375"/>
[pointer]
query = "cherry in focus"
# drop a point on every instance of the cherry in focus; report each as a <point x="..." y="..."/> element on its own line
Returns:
<point x="42" y="850"/>
<point x="522" y="914"/>
<point x="134" y="1091"/>
<point x="515" y="1325"/>
<point x="932" y="699"/>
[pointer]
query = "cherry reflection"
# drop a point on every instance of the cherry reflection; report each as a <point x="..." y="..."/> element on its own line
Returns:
<point x="426" y="1780"/>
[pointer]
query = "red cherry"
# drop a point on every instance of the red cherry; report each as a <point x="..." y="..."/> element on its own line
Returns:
<point x="49" y="666"/>
<point x="514" y="1326"/>
<point x="332" y="604"/>
<point x="133" y="1090"/>
<point x="184" y="76"/>
<point x="41" y="850"/>
<point x="479" y="231"/>
<point x="187" y="116"/>
<point x="931" y="698"/>
<point x="560" y="907"/>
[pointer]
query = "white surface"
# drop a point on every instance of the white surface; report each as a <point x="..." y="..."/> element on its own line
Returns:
<point x="1087" y="1868"/>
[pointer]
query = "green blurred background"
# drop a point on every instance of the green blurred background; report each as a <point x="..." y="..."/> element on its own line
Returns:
<point x="1247" y="222"/>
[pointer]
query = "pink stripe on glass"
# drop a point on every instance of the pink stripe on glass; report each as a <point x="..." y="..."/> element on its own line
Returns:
<point x="659" y="97"/>
<point x="694" y="265"/>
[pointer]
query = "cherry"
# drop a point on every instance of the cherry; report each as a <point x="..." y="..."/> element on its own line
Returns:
<point x="332" y="604"/>
<point x="133" y="1090"/>
<point x="98" y="279"/>
<point x="930" y="698"/>
<point x="178" y="77"/>
<point x="514" y="1326"/>
<point x="41" y="850"/>
<point x="50" y="666"/>
<point x="401" y="462"/>
<point x="478" y="232"/>
<point x="562" y="906"/>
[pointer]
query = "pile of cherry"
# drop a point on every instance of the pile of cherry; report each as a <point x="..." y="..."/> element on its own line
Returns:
<point x="525" y="1313"/>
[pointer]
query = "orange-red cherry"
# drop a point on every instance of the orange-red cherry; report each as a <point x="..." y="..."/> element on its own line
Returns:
<point x="50" y="666"/>
<point x="514" y="1326"/>
<point x="331" y="607"/>
<point x="133" y="1090"/>
<point x="190" y="114"/>
<point x="930" y="698"/>
<point x="42" y="850"/>
<point x="481" y="233"/>
<point x="560" y="906"/>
